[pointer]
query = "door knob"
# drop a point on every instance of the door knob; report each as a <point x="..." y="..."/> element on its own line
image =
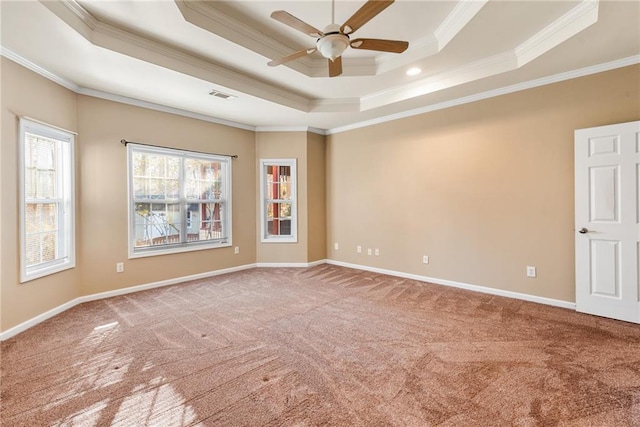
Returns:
<point x="583" y="231"/>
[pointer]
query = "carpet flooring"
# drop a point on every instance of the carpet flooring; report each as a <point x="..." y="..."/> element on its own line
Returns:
<point x="322" y="346"/>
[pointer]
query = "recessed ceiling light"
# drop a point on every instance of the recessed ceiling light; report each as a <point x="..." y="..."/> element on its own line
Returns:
<point x="413" y="71"/>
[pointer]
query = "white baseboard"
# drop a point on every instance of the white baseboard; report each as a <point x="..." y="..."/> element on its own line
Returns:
<point x="38" y="319"/>
<point x="291" y="264"/>
<point x="109" y="294"/>
<point x="467" y="286"/>
<point x="161" y="283"/>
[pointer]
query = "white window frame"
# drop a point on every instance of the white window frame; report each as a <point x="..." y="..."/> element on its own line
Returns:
<point x="264" y="237"/>
<point x="184" y="246"/>
<point x="65" y="191"/>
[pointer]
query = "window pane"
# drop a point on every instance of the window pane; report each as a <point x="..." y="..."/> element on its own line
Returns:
<point x="205" y="221"/>
<point x="40" y="166"/>
<point x="33" y="249"/>
<point x="270" y="209"/>
<point x="285" y="191"/>
<point x="41" y="227"/>
<point x="48" y="246"/>
<point x="272" y="190"/>
<point x="203" y="179"/>
<point x="285" y="210"/>
<point x="156" y="176"/>
<point x="156" y="224"/>
<point x="285" y="227"/>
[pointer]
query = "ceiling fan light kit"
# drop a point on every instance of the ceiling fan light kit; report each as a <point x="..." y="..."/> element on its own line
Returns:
<point x="333" y="42"/>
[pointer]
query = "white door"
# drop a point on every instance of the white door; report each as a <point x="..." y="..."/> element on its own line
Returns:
<point x="607" y="173"/>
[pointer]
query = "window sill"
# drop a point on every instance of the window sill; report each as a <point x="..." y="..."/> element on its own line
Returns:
<point x="279" y="240"/>
<point x="175" y="250"/>
<point x="46" y="271"/>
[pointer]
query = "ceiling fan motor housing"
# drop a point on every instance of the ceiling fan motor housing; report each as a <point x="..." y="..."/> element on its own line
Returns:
<point x="333" y="43"/>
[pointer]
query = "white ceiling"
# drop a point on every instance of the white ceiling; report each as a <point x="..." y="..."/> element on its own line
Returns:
<point x="171" y="54"/>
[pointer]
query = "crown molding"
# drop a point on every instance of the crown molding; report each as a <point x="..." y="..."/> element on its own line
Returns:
<point x="568" y="25"/>
<point x="38" y="69"/>
<point x="290" y="129"/>
<point x="563" y="28"/>
<point x="459" y="17"/>
<point x="531" y="84"/>
<point x="116" y="39"/>
<point x="467" y="73"/>
<point x="582" y="72"/>
<point x="113" y="97"/>
<point x="212" y="17"/>
<point x="343" y="105"/>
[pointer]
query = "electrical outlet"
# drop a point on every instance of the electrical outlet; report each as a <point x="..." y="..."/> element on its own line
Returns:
<point x="119" y="267"/>
<point x="369" y="252"/>
<point x="377" y="252"/>
<point x="531" y="271"/>
<point x="425" y="259"/>
<point x="359" y="249"/>
<point x="236" y="250"/>
<point x="335" y="246"/>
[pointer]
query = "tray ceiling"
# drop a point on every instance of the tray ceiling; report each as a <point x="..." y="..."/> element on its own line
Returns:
<point x="173" y="54"/>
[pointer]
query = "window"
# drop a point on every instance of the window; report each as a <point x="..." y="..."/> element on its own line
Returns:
<point x="178" y="201"/>
<point x="47" y="205"/>
<point x="278" y="196"/>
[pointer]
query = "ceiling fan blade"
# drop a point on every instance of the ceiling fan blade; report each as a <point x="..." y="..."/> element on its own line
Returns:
<point x="335" y="67"/>
<point x="288" y="19"/>
<point x="395" y="46"/>
<point x="291" y="57"/>
<point x="369" y="10"/>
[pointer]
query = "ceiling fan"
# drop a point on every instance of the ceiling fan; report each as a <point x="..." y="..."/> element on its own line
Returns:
<point x="334" y="40"/>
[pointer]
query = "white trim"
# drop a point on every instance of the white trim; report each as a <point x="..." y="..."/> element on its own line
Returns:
<point x="184" y="245"/>
<point x="162" y="283"/>
<point x="65" y="200"/>
<point x="290" y="264"/>
<point x="290" y="129"/>
<point x="460" y="285"/>
<point x="117" y="98"/>
<point x="582" y="72"/>
<point x="38" y="319"/>
<point x="568" y="25"/>
<point x="293" y="237"/>
<point x="162" y="108"/>
<point x="110" y="294"/>
<point x="38" y="69"/>
<point x="459" y="17"/>
<point x="40" y="122"/>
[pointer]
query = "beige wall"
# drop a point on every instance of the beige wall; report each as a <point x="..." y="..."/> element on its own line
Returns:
<point x="284" y="145"/>
<point x="483" y="189"/>
<point x="101" y="217"/>
<point x="103" y="195"/>
<point x="309" y="151"/>
<point x="316" y="205"/>
<point x="27" y="94"/>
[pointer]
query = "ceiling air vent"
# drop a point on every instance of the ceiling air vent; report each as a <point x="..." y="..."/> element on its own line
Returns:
<point x="222" y="95"/>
